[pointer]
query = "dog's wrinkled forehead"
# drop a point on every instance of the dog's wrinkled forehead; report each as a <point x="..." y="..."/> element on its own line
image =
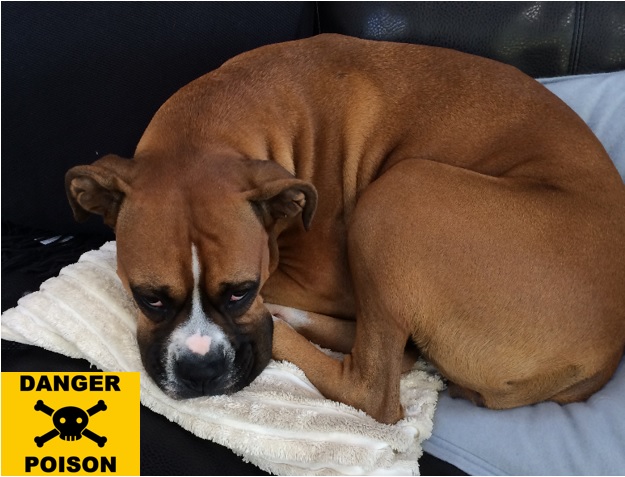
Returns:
<point x="162" y="241"/>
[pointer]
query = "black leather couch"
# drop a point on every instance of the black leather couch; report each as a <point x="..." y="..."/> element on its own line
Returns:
<point x="80" y="80"/>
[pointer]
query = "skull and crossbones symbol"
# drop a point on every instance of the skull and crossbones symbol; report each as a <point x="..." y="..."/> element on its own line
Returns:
<point x="70" y="423"/>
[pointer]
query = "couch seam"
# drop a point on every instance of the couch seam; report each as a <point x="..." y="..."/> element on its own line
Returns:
<point x="318" y="18"/>
<point x="576" y="41"/>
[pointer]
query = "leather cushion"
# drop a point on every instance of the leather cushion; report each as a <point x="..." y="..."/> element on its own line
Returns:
<point x="540" y="38"/>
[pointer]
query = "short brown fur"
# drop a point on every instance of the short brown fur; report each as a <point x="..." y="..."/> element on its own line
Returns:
<point x="456" y="202"/>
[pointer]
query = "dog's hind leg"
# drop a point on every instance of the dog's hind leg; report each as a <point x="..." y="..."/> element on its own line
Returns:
<point x="456" y="391"/>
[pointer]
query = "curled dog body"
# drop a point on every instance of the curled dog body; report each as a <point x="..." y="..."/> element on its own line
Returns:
<point x="395" y="193"/>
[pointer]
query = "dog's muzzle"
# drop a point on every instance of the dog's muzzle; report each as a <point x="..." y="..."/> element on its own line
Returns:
<point x="193" y="363"/>
<point x="192" y="374"/>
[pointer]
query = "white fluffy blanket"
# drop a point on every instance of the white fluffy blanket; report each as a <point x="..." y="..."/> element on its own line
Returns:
<point x="280" y="423"/>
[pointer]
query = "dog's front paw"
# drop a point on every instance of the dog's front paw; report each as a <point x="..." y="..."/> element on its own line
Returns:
<point x="298" y="319"/>
<point x="285" y="340"/>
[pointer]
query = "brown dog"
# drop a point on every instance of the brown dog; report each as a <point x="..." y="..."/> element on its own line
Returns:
<point x="457" y="203"/>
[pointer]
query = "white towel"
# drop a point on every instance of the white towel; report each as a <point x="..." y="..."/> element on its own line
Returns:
<point x="280" y="423"/>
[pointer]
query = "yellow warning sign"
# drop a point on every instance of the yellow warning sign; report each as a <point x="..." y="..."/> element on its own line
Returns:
<point x="70" y="423"/>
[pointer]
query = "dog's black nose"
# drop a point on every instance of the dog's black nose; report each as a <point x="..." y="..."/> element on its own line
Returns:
<point x="201" y="374"/>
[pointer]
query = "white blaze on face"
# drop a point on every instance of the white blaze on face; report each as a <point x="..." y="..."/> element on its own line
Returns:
<point x="198" y="334"/>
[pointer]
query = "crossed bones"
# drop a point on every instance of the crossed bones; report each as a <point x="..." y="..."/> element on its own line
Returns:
<point x="70" y="423"/>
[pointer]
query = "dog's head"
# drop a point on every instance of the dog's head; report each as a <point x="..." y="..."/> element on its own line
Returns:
<point x="195" y="244"/>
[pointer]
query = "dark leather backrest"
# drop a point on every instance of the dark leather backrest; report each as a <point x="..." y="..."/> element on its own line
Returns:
<point x="83" y="79"/>
<point x="540" y="38"/>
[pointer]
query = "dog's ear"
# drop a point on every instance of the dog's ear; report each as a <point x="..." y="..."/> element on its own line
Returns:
<point x="278" y="194"/>
<point x="99" y="188"/>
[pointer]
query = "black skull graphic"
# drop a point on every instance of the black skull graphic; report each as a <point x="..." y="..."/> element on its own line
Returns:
<point x="70" y="423"/>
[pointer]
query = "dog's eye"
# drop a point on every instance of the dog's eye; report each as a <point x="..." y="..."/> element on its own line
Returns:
<point x="150" y="302"/>
<point x="155" y="304"/>
<point x="238" y="296"/>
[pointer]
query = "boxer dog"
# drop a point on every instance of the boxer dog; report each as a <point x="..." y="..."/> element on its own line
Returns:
<point x="457" y="204"/>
